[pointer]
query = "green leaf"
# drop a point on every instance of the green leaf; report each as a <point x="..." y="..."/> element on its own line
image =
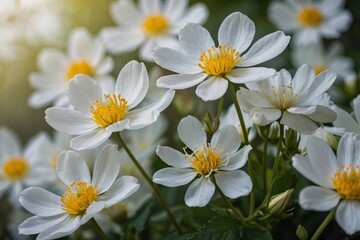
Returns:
<point x="142" y="216"/>
<point x="256" y="234"/>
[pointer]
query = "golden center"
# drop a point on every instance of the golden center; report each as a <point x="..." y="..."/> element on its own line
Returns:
<point x="347" y="182"/>
<point x="310" y="17"/>
<point x="79" y="67"/>
<point x="155" y="24"/>
<point x="206" y="160"/>
<point x="15" y="168"/>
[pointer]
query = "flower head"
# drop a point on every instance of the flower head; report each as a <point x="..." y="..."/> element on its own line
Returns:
<point x="220" y="159"/>
<point x="202" y="62"/>
<point x="58" y="216"/>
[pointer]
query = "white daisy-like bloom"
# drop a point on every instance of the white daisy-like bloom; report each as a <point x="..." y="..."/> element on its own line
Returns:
<point x="219" y="160"/>
<point x="310" y="20"/>
<point x="98" y="114"/>
<point x="58" y="216"/>
<point x="316" y="56"/>
<point x="200" y="62"/>
<point x="296" y="102"/>
<point x="85" y="55"/>
<point x="154" y="23"/>
<point x="338" y="179"/>
<point x="22" y="168"/>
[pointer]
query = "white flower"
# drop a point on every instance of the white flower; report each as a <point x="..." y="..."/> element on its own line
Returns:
<point x="85" y="196"/>
<point x="200" y="62"/>
<point x="155" y="23"/>
<point x="320" y="60"/>
<point x="310" y="20"/>
<point x="22" y="168"/>
<point x="86" y="55"/>
<point x="97" y="115"/>
<point x="338" y="179"/>
<point x="220" y="159"/>
<point x="297" y="103"/>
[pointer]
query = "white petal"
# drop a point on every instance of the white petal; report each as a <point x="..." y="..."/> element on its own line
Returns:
<point x="303" y="78"/>
<point x="122" y="188"/>
<point x="119" y="40"/>
<point x="234" y="184"/>
<point x="105" y="66"/>
<point x="252" y="74"/>
<point x="199" y="192"/>
<point x="106" y="169"/>
<point x="197" y="13"/>
<point x="283" y="16"/>
<point x="345" y="120"/>
<point x="180" y="81"/>
<point x="52" y="60"/>
<point x="212" y="88"/>
<point x="43" y="98"/>
<point x="356" y="103"/>
<point x="238" y="159"/>
<point x="176" y="61"/>
<point x="38" y="149"/>
<point x="38" y="224"/>
<point x="94" y="208"/>
<point x="226" y="140"/>
<point x="174" y="177"/>
<point x="64" y="228"/>
<point x="147" y="48"/>
<point x="191" y="132"/>
<point x="302" y="110"/>
<point x="264" y="116"/>
<point x="14" y="194"/>
<point x="69" y="121"/>
<point x="348" y="151"/>
<point x="90" y="140"/>
<point x="45" y="80"/>
<point x="348" y="216"/>
<point x="71" y="167"/>
<point x="118" y="126"/>
<point x="133" y="83"/>
<point x="265" y="49"/>
<point x="322" y="114"/>
<point x="125" y="13"/>
<point x="318" y="198"/>
<point x="298" y="122"/>
<point x="253" y="98"/>
<point x="40" y="202"/>
<point x="175" y="9"/>
<point x="9" y="143"/>
<point x="172" y="157"/>
<point x="150" y="6"/>
<point x="237" y="31"/>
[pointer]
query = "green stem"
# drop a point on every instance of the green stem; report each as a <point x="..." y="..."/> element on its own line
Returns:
<point x="219" y="109"/>
<point x="98" y="229"/>
<point x="252" y="193"/>
<point x="150" y="182"/>
<point x="264" y="165"/>
<point x="279" y="149"/>
<point x="324" y="224"/>
<point x="238" y="111"/>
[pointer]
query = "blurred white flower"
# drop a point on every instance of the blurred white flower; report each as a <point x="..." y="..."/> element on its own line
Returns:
<point x="22" y="168"/>
<point x="200" y="62"/>
<point x="85" y="55"/>
<point x="220" y="159"/>
<point x="154" y="23"/>
<point x="97" y="114"/>
<point x="298" y="103"/>
<point x="310" y="20"/>
<point x="338" y="177"/>
<point x="85" y="196"/>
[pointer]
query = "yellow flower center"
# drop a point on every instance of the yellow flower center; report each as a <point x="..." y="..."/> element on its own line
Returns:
<point x="283" y="97"/>
<point x="310" y="17"/>
<point x="319" y="69"/>
<point x="78" y="197"/>
<point x="79" y="67"/>
<point x="15" y="168"/>
<point x="347" y="183"/>
<point x="206" y="160"/>
<point x="155" y="24"/>
<point x="219" y="60"/>
<point x="109" y="110"/>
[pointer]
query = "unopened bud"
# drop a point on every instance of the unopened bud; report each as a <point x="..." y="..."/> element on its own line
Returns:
<point x="292" y="141"/>
<point x="279" y="202"/>
<point x="327" y="137"/>
<point x="274" y="132"/>
<point x="210" y="124"/>
<point x="301" y="233"/>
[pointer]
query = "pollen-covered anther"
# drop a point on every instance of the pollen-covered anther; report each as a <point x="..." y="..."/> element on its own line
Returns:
<point x="219" y="60"/>
<point x="206" y="160"/>
<point x="109" y="110"/>
<point x="347" y="182"/>
<point x="310" y="16"/>
<point x="78" y="197"/>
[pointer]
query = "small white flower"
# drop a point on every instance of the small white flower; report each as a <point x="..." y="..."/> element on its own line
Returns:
<point x="86" y="55"/>
<point x="298" y="103"/>
<point x="22" y="168"/>
<point x="338" y="178"/>
<point x="310" y="20"/>
<point x="200" y="62"/>
<point x="85" y="196"/>
<point x="97" y="114"/>
<point x="155" y="23"/>
<point x="220" y="159"/>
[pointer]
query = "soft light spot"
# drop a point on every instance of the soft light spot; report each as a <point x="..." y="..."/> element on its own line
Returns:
<point x="78" y="197"/>
<point x="155" y="24"/>
<point x="219" y="60"/>
<point x="347" y="182"/>
<point x="109" y="110"/>
<point x="15" y="168"/>
<point x="320" y="69"/>
<point x="79" y="67"/>
<point x="310" y="17"/>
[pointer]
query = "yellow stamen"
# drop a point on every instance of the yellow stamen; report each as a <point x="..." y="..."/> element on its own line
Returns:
<point x="78" y="197"/>
<point x="155" y="24"/>
<point x="310" y="17"/>
<point x="109" y="110"/>
<point x="320" y="69"/>
<point x="283" y="97"/>
<point x="206" y="160"/>
<point x="347" y="182"/>
<point x="219" y="60"/>
<point x="79" y="67"/>
<point x="15" y="168"/>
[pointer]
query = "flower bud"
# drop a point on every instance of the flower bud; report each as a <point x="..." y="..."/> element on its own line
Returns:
<point x="301" y="233"/>
<point x="327" y="137"/>
<point x="292" y="141"/>
<point x="279" y="202"/>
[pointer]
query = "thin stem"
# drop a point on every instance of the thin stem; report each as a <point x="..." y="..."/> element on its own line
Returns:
<point x="219" y="109"/>
<point x="279" y="149"/>
<point x="238" y="111"/>
<point x="324" y="224"/>
<point x="264" y="160"/>
<point x="98" y="229"/>
<point x="150" y="182"/>
<point x="252" y="193"/>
